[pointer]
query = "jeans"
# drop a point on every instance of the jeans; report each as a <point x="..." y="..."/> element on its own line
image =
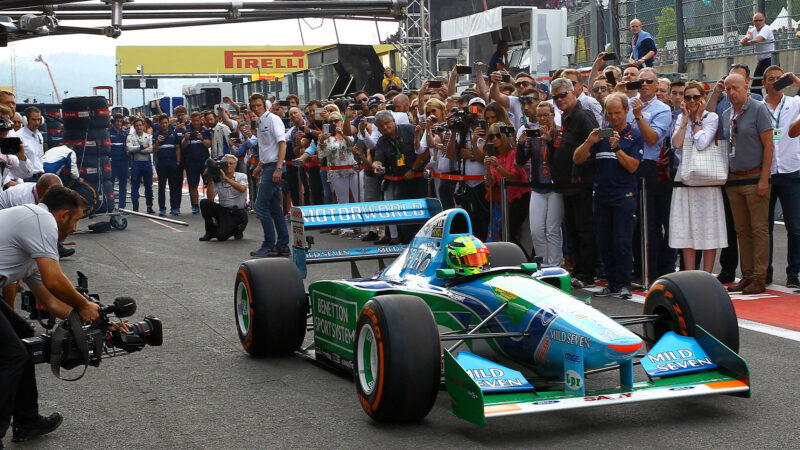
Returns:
<point x="142" y="172"/>
<point x="789" y="195"/>
<point x="327" y="194"/>
<point x="168" y="173"/>
<point x="120" y="174"/>
<point x="445" y="192"/>
<point x="750" y="217"/>
<point x="614" y="224"/>
<point x="293" y="182"/>
<point x="546" y="215"/>
<point x="268" y="208"/>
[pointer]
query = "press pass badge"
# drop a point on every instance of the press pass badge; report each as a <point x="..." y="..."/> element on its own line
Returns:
<point x="776" y="134"/>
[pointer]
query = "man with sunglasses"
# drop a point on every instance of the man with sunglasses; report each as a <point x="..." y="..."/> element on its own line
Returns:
<point x="749" y="130"/>
<point x="653" y="120"/>
<point x="601" y="88"/>
<point x="760" y="34"/>
<point x="576" y="125"/>
<point x="511" y="103"/>
<point x="587" y="102"/>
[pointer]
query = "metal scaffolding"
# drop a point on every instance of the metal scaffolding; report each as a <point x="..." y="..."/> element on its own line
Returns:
<point x="415" y="44"/>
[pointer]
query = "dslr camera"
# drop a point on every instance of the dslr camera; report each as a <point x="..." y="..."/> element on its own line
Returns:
<point x="215" y="168"/>
<point x="66" y="342"/>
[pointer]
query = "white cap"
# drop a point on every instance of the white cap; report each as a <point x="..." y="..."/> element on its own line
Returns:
<point x="477" y="100"/>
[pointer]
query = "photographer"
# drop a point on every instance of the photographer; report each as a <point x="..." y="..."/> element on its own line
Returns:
<point x="228" y="217"/>
<point x="16" y="165"/>
<point x="615" y="190"/>
<point x="30" y="253"/>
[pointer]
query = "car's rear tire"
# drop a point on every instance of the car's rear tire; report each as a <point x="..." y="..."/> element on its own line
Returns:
<point x="397" y="358"/>
<point x="506" y="254"/>
<point x="270" y="306"/>
<point x="688" y="299"/>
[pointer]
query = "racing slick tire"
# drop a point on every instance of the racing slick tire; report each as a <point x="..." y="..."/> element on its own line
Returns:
<point x="688" y="299"/>
<point x="506" y="254"/>
<point x="397" y="358"/>
<point x="270" y="307"/>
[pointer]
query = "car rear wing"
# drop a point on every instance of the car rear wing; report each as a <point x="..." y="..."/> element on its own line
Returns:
<point x="366" y="214"/>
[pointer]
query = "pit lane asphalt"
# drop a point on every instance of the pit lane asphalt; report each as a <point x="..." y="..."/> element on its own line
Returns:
<point x="201" y="390"/>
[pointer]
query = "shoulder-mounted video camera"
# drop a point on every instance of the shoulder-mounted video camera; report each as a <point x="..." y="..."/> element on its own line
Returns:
<point x="71" y="343"/>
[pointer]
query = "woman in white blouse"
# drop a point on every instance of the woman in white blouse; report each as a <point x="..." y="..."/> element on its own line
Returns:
<point x="338" y="149"/>
<point x="697" y="215"/>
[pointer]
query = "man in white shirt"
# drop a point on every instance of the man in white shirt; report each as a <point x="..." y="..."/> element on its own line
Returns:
<point x="228" y="217"/>
<point x="272" y="155"/>
<point x="785" y="171"/>
<point x="760" y="34"/>
<point x="33" y="141"/>
<point x="13" y="165"/>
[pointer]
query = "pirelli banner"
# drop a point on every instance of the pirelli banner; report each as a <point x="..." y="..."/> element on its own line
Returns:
<point x="174" y="60"/>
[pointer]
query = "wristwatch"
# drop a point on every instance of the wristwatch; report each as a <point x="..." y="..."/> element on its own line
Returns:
<point x="698" y="123"/>
<point x="637" y="118"/>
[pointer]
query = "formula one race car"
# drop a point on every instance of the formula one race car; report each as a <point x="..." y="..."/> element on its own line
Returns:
<point x="503" y="335"/>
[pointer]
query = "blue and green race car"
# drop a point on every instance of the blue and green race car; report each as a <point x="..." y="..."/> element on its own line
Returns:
<point x="502" y="335"/>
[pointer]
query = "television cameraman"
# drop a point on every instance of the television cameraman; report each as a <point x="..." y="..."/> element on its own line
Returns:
<point x="228" y="217"/>
<point x="29" y="252"/>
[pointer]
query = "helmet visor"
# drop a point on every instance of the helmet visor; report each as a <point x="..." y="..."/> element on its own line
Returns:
<point x="479" y="259"/>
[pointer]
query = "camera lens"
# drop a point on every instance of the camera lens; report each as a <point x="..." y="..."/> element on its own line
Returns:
<point x="148" y="330"/>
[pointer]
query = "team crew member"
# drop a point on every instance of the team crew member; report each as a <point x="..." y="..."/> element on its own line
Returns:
<point x="228" y="217"/>
<point x="140" y="146"/>
<point x="272" y="154"/>
<point x="61" y="161"/>
<point x="749" y="129"/>
<point x="195" y="144"/>
<point x="615" y="186"/>
<point x="33" y="141"/>
<point x="166" y="146"/>
<point x="30" y="253"/>
<point x="119" y="158"/>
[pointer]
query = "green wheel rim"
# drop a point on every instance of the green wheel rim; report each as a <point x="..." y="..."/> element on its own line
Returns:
<point x="367" y="354"/>
<point x="243" y="308"/>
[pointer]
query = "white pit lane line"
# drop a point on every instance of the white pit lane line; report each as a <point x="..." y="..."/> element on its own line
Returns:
<point x="743" y="323"/>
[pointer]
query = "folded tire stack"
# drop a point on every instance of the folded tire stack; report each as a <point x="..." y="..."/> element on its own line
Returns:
<point x="86" y="122"/>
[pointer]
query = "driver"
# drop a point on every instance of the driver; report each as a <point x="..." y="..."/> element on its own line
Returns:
<point x="467" y="255"/>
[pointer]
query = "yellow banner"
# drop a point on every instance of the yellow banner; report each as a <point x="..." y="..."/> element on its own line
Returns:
<point x="213" y="60"/>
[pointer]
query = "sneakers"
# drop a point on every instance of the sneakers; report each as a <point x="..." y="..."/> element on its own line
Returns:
<point x="264" y="252"/>
<point x="175" y="212"/>
<point x="624" y="293"/>
<point x="284" y="252"/>
<point x="792" y="282"/>
<point x="195" y="209"/>
<point x="162" y="212"/>
<point x="606" y="292"/>
<point x="42" y="426"/>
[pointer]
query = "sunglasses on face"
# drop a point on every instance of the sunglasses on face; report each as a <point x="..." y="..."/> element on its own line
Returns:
<point x="692" y="97"/>
<point x="529" y="99"/>
<point x="647" y="81"/>
<point x="523" y="83"/>
<point x="561" y="95"/>
<point x="600" y="89"/>
<point x="362" y="100"/>
<point x="493" y="136"/>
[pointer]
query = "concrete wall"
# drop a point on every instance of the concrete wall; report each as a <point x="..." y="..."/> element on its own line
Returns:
<point x="713" y="69"/>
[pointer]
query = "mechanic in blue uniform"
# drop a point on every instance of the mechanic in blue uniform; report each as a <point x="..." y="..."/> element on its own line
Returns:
<point x="195" y="143"/>
<point x="615" y="187"/>
<point x="166" y="145"/>
<point x="119" y="157"/>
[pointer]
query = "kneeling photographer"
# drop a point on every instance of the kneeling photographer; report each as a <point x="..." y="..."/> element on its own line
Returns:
<point x="29" y="252"/>
<point x="228" y="217"/>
